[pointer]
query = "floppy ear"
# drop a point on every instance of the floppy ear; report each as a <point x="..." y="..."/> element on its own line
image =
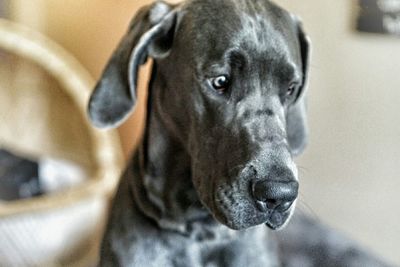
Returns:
<point x="296" y="120"/>
<point x="150" y="34"/>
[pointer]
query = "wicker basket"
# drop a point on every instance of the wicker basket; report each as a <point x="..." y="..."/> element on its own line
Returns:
<point x="62" y="229"/>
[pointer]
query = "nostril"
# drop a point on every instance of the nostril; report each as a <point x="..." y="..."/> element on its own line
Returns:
<point x="284" y="206"/>
<point x="275" y="190"/>
<point x="275" y="194"/>
<point x="272" y="203"/>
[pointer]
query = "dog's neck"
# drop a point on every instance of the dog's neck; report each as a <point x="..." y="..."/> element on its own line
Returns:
<point x="162" y="185"/>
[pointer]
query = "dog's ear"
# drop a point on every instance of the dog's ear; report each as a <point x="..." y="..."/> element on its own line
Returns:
<point x="150" y="34"/>
<point x="296" y="120"/>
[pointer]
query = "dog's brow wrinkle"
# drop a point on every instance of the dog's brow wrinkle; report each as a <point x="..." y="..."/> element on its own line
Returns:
<point x="250" y="34"/>
<point x="264" y="112"/>
<point x="237" y="58"/>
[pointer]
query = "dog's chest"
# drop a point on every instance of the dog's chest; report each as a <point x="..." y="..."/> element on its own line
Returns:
<point x="247" y="248"/>
<point x="133" y="239"/>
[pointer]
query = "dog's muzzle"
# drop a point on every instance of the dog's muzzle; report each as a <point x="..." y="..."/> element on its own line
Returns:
<point x="275" y="197"/>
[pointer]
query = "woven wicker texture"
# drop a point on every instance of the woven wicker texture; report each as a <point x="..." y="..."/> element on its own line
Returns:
<point x="43" y="98"/>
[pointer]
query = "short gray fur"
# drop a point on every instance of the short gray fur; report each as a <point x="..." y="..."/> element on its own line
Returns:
<point x="185" y="198"/>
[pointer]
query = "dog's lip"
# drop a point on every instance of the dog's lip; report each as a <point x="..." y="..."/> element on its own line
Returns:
<point x="223" y="218"/>
<point x="259" y="219"/>
<point x="277" y="219"/>
<point x="274" y="219"/>
<point x="216" y="212"/>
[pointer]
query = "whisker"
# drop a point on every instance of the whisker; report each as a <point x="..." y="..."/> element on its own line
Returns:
<point x="303" y="170"/>
<point x="308" y="210"/>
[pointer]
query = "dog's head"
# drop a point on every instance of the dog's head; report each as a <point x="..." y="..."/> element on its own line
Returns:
<point x="230" y="85"/>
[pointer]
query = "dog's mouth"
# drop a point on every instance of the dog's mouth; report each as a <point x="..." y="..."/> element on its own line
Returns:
<point x="243" y="213"/>
<point x="245" y="201"/>
<point x="277" y="220"/>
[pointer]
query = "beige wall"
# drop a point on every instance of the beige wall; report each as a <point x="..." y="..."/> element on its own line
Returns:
<point x="351" y="171"/>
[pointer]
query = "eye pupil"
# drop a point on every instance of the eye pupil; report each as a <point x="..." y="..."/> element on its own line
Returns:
<point x="220" y="83"/>
<point x="290" y="91"/>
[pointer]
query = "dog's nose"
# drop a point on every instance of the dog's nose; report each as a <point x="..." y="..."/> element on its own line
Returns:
<point x="275" y="195"/>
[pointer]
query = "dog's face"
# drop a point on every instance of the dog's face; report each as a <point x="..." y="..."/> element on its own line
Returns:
<point x="231" y="77"/>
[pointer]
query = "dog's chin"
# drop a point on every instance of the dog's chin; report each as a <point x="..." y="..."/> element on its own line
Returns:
<point x="278" y="220"/>
<point x="274" y="220"/>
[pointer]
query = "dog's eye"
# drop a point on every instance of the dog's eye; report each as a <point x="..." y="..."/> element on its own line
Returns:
<point x="291" y="90"/>
<point x="220" y="83"/>
<point x="290" y="93"/>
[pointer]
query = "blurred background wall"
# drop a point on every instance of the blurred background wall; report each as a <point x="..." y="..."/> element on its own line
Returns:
<point x="351" y="170"/>
<point x="350" y="173"/>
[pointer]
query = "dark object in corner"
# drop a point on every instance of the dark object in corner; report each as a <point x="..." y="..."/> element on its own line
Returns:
<point x="379" y="16"/>
<point x="18" y="177"/>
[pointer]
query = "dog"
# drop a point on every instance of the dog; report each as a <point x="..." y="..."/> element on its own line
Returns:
<point x="226" y="115"/>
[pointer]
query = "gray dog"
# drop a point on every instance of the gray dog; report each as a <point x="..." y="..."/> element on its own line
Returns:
<point x="226" y="115"/>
